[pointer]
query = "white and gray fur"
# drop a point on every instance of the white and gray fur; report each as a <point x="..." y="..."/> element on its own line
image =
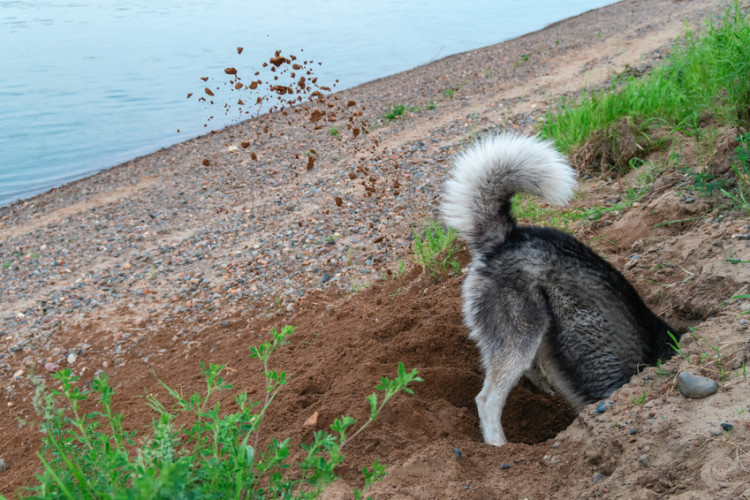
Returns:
<point x="538" y="302"/>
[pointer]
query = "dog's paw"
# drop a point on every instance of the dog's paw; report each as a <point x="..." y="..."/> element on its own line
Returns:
<point x="496" y="441"/>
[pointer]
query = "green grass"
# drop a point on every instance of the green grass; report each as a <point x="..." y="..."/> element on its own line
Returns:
<point x="434" y="248"/>
<point x="703" y="76"/>
<point x="196" y="448"/>
<point x="527" y="209"/>
<point x="449" y="93"/>
<point x="333" y="132"/>
<point x="640" y="400"/>
<point x="740" y="194"/>
<point x="398" y="110"/>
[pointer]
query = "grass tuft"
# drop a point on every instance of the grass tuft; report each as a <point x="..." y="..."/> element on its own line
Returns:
<point x="435" y="247"/>
<point x="703" y="76"/>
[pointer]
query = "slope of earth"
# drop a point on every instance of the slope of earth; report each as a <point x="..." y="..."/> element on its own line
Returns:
<point x="194" y="253"/>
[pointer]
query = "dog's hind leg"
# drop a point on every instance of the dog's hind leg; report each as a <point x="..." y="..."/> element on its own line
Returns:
<point x="502" y="373"/>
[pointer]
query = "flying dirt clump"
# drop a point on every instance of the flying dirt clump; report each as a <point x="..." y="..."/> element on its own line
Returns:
<point x="287" y="88"/>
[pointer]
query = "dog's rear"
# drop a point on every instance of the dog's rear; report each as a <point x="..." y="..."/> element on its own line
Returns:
<point x="537" y="301"/>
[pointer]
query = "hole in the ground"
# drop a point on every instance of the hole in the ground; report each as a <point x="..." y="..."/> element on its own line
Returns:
<point x="532" y="416"/>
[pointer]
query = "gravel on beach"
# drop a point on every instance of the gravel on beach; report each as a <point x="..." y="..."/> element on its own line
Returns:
<point x="257" y="215"/>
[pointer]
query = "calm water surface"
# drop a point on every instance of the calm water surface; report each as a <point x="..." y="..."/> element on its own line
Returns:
<point x="87" y="85"/>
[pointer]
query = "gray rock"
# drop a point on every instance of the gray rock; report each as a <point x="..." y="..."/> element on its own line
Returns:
<point x="696" y="386"/>
<point x="3" y="465"/>
<point x="598" y="477"/>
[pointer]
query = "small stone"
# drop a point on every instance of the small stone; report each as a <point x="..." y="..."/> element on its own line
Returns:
<point x="644" y="461"/>
<point x="17" y="375"/>
<point x="312" y="420"/>
<point x="601" y="407"/>
<point x="727" y="427"/>
<point x="633" y="432"/>
<point x="457" y="452"/>
<point x="71" y="358"/>
<point x="51" y="367"/>
<point x="325" y="278"/>
<point x="3" y="465"/>
<point x="696" y="386"/>
<point x="598" y="477"/>
<point x="505" y="466"/>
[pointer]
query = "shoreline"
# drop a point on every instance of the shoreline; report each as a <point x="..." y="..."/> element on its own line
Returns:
<point x="66" y="171"/>
<point x="355" y="89"/>
<point x="166" y="236"/>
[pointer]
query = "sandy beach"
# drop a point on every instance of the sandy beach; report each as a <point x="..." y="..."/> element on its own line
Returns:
<point x="192" y="253"/>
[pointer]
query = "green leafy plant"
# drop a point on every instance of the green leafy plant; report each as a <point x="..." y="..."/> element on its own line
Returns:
<point x="393" y="113"/>
<point x="450" y="92"/>
<point x="399" y="110"/>
<point x="704" y="182"/>
<point x="333" y="132"/>
<point x="434" y="248"/>
<point x="195" y="449"/>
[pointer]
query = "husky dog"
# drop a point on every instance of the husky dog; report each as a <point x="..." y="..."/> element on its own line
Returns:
<point x="537" y="301"/>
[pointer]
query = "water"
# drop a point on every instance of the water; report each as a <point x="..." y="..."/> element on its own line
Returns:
<point x="86" y="85"/>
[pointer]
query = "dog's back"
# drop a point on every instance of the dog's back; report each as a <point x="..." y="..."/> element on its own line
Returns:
<point x="537" y="301"/>
<point x="599" y="330"/>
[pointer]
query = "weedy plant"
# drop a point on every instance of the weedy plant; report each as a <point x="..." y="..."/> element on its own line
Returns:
<point x="393" y="113"/>
<point x="449" y="92"/>
<point x="435" y="247"/>
<point x="195" y="450"/>
<point x="398" y="110"/>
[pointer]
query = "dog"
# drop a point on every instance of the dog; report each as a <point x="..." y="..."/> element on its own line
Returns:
<point x="537" y="301"/>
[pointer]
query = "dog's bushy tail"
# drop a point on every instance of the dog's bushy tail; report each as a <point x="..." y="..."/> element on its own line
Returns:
<point x="477" y="196"/>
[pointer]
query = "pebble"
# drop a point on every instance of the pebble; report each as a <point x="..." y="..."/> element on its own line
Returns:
<point x="3" y="465"/>
<point x="644" y="461"/>
<point x="727" y="427"/>
<point x="457" y="452"/>
<point x="51" y="367"/>
<point x="71" y="358"/>
<point x="696" y="386"/>
<point x="604" y="405"/>
<point x="598" y="477"/>
<point x="505" y="466"/>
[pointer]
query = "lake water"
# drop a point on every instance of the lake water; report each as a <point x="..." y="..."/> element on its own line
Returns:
<point x="88" y="84"/>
